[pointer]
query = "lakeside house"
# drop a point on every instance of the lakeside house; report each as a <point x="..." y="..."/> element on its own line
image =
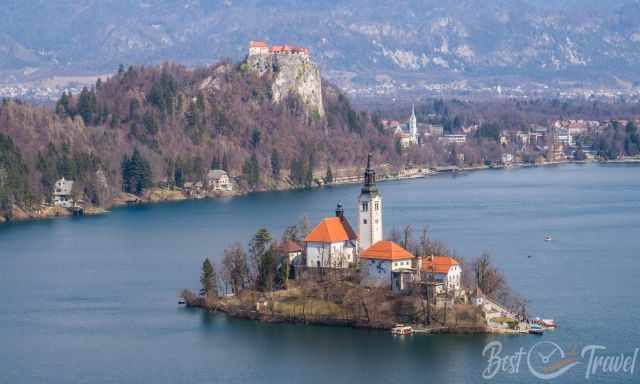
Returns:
<point x="387" y="264"/>
<point x="445" y="271"/>
<point x="332" y="243"/>
<point x="218" y="181"/>
<point x="62" y="193"/>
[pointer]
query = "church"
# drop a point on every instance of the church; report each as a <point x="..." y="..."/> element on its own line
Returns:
<point x="408" y="133"/>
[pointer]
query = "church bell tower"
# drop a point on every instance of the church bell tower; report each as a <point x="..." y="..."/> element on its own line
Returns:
<point x="369" y="210"/>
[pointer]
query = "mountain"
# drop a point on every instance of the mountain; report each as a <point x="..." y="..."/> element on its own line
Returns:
<point x="354" y="41"/>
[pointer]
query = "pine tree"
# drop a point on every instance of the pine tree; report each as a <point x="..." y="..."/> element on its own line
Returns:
<point x="251" y="170"/>
<point x="215" y="162"/>
<point x="275" y="164"/>
<point x="328" y="178"/>
<point x="225" y="162"/>
<point x="208" y="280"/>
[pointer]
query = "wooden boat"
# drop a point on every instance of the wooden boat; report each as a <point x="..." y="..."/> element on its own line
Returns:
<point x="401" y="330"/>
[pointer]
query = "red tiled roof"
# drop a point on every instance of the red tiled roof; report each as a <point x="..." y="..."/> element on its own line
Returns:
<point x="386" y="250"/>
<point x="331" y="230"/>
<point x="438" y="264"/>
<point x="258" y="44"/>
<point x="291" y="247"/>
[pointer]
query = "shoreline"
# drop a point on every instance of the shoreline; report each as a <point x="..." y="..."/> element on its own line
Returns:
<point x="260" y="313"/>
<point x="159" y="195"/>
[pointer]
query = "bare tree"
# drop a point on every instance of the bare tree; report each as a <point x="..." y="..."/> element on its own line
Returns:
<point x="235" y="269"/>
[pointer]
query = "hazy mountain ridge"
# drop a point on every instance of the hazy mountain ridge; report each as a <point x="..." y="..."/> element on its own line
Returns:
<point x="465" y="38"/>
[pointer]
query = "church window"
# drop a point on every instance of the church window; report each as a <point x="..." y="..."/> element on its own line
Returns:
<point x="377" y="206"/>
<point x="365" y="206"/>
<point x="364" y="221"/>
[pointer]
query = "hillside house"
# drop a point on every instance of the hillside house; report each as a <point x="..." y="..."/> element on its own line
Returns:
<point x="332" y="243"/>
<point x="387" y="264"/>
<point x="62" y="193"/>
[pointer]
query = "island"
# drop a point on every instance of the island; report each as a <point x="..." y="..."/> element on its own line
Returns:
<point x="334" y="275"/>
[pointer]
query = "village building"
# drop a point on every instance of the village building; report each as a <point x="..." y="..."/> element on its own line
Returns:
<point x="218" y="181"/>
<point x="332" y="243"/>
<point x="369" y="210"/>
<point x="387" y="264"/>
<point x="293" y="252"/>
<point x="62" y="193"/>
<point x="259" y="48"/>
<point x="408" y="133"/>
<point x="444" y="270"/>
<point x="453" y="139"/>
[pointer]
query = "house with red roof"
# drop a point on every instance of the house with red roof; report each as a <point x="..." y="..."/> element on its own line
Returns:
<point x="387" y="264"/>
<point x="293" y="252"/>
<point x="444" y="270"/>
<point x="332" y="243"/>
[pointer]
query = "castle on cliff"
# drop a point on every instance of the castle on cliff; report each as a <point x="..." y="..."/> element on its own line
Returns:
<point x="292" y="71"/>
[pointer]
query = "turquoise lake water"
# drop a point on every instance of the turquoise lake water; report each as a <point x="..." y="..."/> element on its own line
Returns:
<point x="93" y="300"/>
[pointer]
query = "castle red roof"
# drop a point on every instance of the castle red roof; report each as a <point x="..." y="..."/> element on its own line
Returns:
<point x="258" y="44"/>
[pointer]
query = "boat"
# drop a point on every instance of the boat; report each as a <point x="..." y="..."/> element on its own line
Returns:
<point x="547" y="238"/>
<point x="401" y="330"/>
<point x="536" y="330"/>
<point x="549" y="323"/>
<point x="181" y="302"/>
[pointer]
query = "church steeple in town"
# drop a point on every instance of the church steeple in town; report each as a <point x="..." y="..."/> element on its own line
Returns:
<point x="413" y="123"/>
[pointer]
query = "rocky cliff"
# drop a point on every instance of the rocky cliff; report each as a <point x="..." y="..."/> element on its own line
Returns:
<point x="291" y="74"/>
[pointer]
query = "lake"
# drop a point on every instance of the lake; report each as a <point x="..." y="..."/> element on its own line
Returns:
<point x="93" y="299"/>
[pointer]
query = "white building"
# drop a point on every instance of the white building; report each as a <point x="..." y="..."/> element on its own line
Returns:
<point x="410" y="136"/>
<point x="258" y="48"/>
<point x="293" y="251"/>
<point x="332" y="243"/>
<point x="387" y="264"/>
<point x="62" y="193"/>
<point x="445" y="270"/>
<point x="218" y="181"/>
<point x="369" y="210"/>
<point x="455" y="139"/>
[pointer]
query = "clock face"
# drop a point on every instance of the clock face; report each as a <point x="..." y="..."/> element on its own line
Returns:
<point x="381" y="267"/>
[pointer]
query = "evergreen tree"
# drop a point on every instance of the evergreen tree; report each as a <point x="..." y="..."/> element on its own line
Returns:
<point x="225" y="162"/>
<point x="266" y="270"/>
<point x="208" y="280"/>
<point x="251" y="170"/>
<point x="215" y="162"/>
<point x="136" y="173"/>
<point x="328" y="178"/>
<point x="275" y="164"/>
<point x="87" y="105"/>
<point x="178" y="176"/>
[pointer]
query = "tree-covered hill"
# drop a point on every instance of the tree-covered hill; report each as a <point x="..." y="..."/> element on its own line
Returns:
<point x="178" y="123"/>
